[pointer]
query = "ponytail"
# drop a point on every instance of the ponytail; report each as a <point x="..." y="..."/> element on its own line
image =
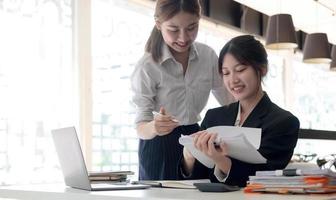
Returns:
<point x="154" y="44"/>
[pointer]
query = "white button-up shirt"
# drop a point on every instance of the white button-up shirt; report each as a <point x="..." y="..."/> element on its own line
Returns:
<point x="163" y="84"/>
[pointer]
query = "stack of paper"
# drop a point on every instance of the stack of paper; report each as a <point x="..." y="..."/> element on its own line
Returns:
<point x="114" y="176"/>
<point x="242" y="144"/>
<point x="293" y="181"/>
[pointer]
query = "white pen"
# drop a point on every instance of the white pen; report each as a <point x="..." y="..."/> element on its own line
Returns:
<point x="157" y="113"/>
<point x="218" y="142"/>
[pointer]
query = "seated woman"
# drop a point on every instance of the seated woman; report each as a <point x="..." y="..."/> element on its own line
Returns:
<point x="243" y="63"/>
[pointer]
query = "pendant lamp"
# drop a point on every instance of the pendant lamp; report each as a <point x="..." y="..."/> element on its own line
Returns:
<point x="280" y="32"/>
<point x="333" y="57"/>
<point x="316" y="49"/>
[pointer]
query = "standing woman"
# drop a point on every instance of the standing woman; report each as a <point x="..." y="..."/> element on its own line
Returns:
<point x="173" y="78"/>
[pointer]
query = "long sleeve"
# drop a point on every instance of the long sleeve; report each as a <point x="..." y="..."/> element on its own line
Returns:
<point x="278" y="139"/>
<point x="276" y="146"/>
<point x="164" y="84"/>
<point x="143" y="84"/>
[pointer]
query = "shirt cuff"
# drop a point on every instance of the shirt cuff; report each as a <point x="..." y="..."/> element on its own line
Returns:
<point x="221" y="177"/>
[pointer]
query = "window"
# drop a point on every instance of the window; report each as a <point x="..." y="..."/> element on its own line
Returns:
<point x="314" y="105"/>
<point x="315" y="96"/>
<point x="36" y="86"/>
<point x="119" y="34"/>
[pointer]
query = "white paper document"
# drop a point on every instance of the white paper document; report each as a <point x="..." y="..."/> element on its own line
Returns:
<point x="242" y="144"/>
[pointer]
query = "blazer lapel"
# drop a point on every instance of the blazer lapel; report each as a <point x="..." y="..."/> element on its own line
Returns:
<point x="231" y="119"/>
<point x="255" y="117"/>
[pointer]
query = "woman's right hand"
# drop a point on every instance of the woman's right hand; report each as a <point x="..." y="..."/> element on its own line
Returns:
<point x="187" y="155"/>
<point x="188" y="161"/>
<point x="164" y="123"/>
<point x="188" y="158"/>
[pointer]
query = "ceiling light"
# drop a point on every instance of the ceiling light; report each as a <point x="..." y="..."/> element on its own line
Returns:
<point x="280" y="33"/>
<point x="333" y="57"/>
<point x="316" y="49"/>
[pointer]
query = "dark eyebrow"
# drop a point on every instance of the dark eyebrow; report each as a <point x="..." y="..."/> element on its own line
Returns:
<point x="173" y="26"/>
<point x="234" y="65"/>
<point x="192" y="24"/>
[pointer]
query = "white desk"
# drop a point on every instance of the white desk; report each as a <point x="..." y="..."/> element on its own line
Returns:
<point x="57" y="192"/>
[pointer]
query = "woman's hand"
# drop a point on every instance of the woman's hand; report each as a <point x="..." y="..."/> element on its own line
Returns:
<point x="161" y="125"/>
<point x="188" y="158"/>
<point x="188" y="161"/>
<point x="164" y="123"/>
<point x="205" y="142"/>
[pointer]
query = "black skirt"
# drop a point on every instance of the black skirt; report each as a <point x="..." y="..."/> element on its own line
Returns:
<point x="158" y="157"/>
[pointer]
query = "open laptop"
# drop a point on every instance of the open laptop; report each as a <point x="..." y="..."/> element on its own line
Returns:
<point x="73" y="165"/>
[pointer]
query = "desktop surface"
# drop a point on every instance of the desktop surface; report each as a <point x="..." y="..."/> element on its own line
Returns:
<point x="59" y="191"/>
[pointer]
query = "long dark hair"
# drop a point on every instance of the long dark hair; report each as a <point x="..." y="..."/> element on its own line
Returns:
<point x="248" y="51"/>
<point x="164" y="10"/>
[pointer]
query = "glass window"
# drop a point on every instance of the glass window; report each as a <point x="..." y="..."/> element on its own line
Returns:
<point x="314" y="105"/>
<point x="273" y="81"/>
<point x="119" y="33"/>
<point x="36" y="86"/>
<point x="315" y="96"/>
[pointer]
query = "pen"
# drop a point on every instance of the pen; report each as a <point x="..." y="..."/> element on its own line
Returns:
<point x="173" y="119"/>
<point x="217" y="142"/>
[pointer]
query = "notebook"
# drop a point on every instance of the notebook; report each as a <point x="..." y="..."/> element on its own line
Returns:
<point x="73" y="165"/>
<point x="181" y="184"/>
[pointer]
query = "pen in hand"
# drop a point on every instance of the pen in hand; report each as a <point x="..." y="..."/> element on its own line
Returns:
<point x="158" y="114"/>
<point x="218" y="142"/>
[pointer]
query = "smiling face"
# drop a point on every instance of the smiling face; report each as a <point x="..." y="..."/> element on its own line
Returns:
<point x="180" y="31"/>
<point x="242" y="81"/>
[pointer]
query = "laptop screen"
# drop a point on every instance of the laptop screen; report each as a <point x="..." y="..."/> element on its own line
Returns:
<point x="71" y="158"/>
<point x="73" y="165"/>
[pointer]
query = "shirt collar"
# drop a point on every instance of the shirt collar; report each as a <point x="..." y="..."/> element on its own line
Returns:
<point x="258" y="112"/>
<point x="166" y="54"/>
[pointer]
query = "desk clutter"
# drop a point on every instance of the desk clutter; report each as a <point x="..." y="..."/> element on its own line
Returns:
<point x="296" y="181"/>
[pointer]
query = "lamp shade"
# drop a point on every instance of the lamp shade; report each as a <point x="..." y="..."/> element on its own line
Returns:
<point x="280" y="32"/>
<point x="316" y="49"/>
<point x="333" y="58"/>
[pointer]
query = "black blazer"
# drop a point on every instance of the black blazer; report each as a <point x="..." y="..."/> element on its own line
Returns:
<point x="278" y="139"/>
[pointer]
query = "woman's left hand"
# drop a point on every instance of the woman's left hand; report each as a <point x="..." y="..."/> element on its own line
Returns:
<point x="205" y="142"/>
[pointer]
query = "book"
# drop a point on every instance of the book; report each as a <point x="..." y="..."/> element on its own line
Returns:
<point x="108" y="178"/>
<point x="242" y="144"/>
<point x="181" y="184"/>
<point x="286" y="190"/>
<point x="111" y="173"/>
<point x="306" y="181"/>
<point x="296" y="172"/>
<point x="117" y="176"/>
